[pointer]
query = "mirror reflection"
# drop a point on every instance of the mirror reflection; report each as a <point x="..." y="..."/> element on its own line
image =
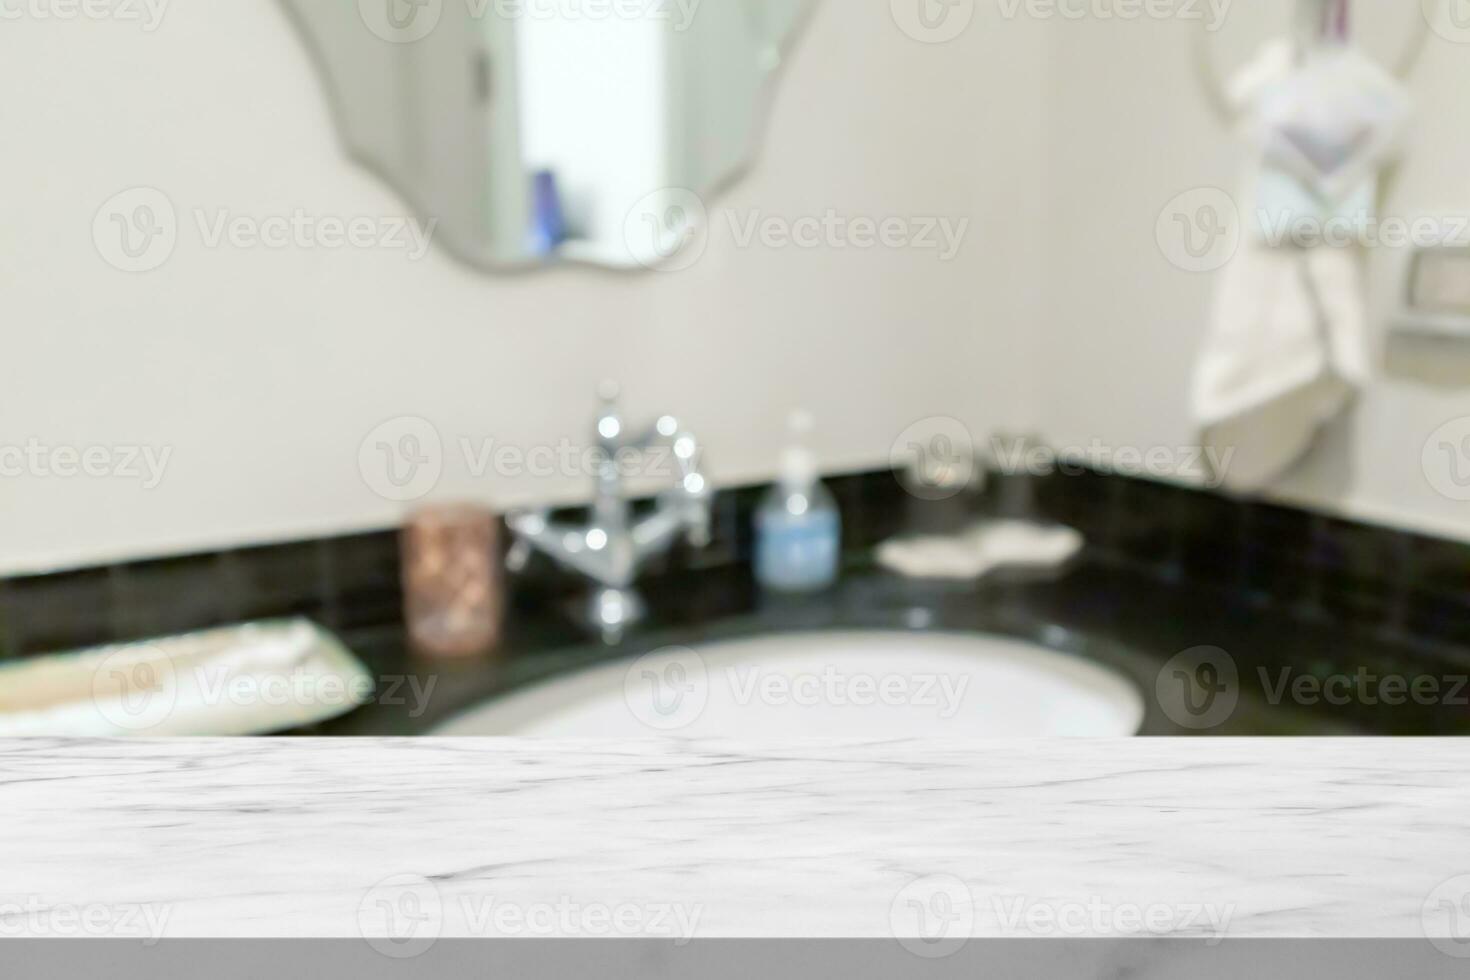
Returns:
<point x="537" y="132"/>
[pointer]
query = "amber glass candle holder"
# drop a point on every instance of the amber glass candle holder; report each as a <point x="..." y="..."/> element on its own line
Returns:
<point x="453" y="583"/>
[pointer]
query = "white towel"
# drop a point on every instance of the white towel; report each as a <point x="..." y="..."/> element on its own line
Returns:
<point x="1287" y="344"/>
<point x="1285" y="355"/>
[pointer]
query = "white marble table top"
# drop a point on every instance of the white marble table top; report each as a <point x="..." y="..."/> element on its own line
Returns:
<point x="308" y="838"/>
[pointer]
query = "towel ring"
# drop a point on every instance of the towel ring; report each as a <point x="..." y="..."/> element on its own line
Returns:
<point x="1214" y="88"/>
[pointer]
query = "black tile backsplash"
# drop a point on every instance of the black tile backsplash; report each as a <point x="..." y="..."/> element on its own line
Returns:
<point x="1087" y="501"/>
<point x="1143" y="526"/>
<point x="1382" y="581"/>
<point x="1379" y="579"/>
<point x="283" y="581"/>
<point x="57" y="612"/>
<point x="360" y="584"/>
<point x="1211" y="538"/>
<point x="163" y="597"/>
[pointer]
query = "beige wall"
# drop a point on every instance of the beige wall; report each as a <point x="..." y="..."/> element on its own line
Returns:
<point x="264" y="370"/>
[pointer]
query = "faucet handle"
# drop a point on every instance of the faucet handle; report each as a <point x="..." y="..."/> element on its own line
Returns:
<point x="524" y="526"/>
<point x="696" y="504"/>
<point x="519" y="556"/>
<point x="609" y="419"/>
<point x="699" y="535"/>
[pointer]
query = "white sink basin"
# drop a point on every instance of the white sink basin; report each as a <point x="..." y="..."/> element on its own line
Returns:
<point x="828" y="684"/>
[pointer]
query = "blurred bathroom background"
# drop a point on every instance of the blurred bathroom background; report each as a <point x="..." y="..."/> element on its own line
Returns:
<point x="1060" y="139"/>
<point x="914" y="222"/>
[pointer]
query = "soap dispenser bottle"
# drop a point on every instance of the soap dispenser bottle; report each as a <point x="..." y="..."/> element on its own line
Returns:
<point x="798" y="527"/>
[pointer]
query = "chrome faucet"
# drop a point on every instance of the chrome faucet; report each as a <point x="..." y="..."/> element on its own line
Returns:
<point x="613" y="546"/>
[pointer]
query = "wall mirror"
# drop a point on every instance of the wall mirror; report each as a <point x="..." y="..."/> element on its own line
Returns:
<point x="542" y="132"/>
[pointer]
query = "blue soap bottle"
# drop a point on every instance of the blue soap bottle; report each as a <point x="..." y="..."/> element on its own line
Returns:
<point x="798" y="527"/>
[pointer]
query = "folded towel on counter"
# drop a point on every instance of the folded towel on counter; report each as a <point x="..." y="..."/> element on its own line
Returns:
<point x="984" y="548"/>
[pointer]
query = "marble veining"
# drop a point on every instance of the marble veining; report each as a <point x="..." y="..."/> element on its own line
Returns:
<point x="1254" y="838"/>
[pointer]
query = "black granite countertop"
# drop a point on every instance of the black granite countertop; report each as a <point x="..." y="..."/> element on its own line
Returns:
<point x="1326" y="626"/>
<point x="1098" y="609"/>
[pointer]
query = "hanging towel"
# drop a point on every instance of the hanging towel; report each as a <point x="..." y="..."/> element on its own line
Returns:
<point x="1286" y="349"/>
<point x="1285" y="355"/>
